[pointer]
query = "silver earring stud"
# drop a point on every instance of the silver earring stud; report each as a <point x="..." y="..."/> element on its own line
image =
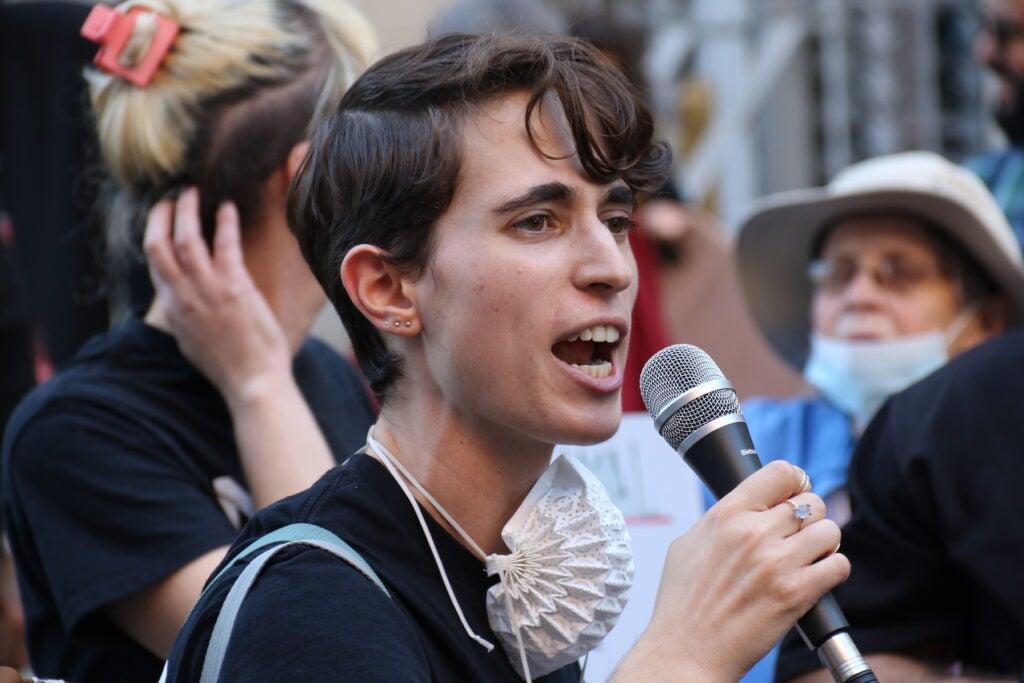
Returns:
<point x="408" y="323"/>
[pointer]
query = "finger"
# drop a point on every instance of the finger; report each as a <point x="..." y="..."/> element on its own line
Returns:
<point x="813" y="542"/>
<point x="160" y="257"/>
<point x="227" y="241"/>
<point x="769" y="486"/>
<point x="822" y="576"/>
<point x="189" y="246"/>
<point x="805" y="481"/>
<point x="794" y="513"/>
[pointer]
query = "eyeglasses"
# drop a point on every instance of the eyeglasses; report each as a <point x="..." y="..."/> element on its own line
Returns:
<point x="893" y="274"/>
<point x="1002" y="31"/>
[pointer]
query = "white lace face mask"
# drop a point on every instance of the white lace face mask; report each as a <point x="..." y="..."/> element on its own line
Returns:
<point x="566" y="577"/>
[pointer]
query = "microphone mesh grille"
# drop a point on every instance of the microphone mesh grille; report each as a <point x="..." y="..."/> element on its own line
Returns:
<point x="672" y="372"/>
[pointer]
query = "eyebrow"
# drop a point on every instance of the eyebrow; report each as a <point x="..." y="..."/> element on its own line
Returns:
<point x="620" y="194"/>
<point x="560" y="192"/>
<point x="548" y="192"/>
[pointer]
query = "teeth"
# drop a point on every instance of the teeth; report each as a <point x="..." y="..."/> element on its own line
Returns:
<point x="602" y="369"/>
<point x="598" y="333"/>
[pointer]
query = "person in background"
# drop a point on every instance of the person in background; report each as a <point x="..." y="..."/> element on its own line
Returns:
<point x="935" y="536"/>
<point x="466" y="209"/>
<point x="128" y="475"/>
<point x="870" y="284"/>
<point x="1000" y="47"/>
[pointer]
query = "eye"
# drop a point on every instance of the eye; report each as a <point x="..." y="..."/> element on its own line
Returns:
<point x="620" y="224"/>
<point x="535" y="223"/>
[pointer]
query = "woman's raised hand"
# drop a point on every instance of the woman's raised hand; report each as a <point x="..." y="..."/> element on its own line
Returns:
<point x="738" y="580"/>
<point x="209" y="302"/>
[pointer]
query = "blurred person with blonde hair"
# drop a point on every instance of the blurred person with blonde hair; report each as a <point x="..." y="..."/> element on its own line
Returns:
<point x="128" y="475"/>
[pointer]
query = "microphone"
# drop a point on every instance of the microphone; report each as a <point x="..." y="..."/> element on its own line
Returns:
<point x="697" y="411"/>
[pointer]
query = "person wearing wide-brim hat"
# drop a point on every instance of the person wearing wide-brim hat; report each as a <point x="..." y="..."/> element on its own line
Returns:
<point x="866" y="286"/>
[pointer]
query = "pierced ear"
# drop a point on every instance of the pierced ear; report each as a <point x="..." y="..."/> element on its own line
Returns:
<point x="377" y="289"/>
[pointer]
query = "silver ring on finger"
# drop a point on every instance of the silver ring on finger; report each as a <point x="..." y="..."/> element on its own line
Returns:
<point x="801" y="512"/>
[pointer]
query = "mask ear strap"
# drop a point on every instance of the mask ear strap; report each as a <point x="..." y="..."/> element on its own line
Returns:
<point x="390" y="462"/>
<point x="956" y="328"/>
<point x="514" y="621"/>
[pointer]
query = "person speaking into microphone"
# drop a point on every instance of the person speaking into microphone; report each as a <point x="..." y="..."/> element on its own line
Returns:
<point x="466" y="209"/>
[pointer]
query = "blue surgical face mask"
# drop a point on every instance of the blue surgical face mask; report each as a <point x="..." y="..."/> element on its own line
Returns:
<point x="858" y="376"/>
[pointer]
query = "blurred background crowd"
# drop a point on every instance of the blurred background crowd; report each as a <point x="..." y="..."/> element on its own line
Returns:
<point x="756" y="97"/>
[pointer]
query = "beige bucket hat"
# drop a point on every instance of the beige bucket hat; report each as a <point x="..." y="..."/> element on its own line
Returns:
<point x="776" y="238"/>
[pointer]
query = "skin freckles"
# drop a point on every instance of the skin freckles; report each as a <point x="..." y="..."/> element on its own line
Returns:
<point x="529" y="253"/>
<point x="509" y="284"/>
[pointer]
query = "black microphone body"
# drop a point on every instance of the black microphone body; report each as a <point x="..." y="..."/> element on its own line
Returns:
<point x="701" y="419"/>
<point x="722" y="458"/>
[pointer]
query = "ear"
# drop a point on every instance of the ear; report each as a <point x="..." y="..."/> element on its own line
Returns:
<point x="281" y="178"/>
<point x="295" y="158"/>
<point x="377" y="288"/>
<point x="995" y="314"/>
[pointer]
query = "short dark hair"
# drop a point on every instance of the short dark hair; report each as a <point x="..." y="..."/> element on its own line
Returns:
<point x="383" y="168"/>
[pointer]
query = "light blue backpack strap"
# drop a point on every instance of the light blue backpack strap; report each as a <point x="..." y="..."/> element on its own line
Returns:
<point x="294" y="534"/>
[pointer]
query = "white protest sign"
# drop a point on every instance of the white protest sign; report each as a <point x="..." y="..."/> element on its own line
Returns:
<point x="660" y="498"/>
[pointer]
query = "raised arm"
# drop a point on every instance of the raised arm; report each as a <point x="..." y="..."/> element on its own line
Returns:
<point x="224" y="326"/>
<point x="736" y="582"/>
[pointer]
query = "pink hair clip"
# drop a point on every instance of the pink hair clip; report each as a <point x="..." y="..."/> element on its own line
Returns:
<point x="112" y="30"/>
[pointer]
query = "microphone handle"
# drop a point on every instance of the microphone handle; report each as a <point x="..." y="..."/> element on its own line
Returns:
<point x="723" y="455"/>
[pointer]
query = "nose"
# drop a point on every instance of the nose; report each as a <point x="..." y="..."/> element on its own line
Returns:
<point x="863" y="291"/>
<point x="604" y="262"/>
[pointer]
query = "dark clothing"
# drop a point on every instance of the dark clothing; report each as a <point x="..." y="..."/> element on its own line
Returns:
<point x="937" y="534"/>
<point x="121" y="470"/>
<point x="48" y="145"/>
<point x="17" y="372"/>
<point x="312" y="617"/>
<point x="1003" y="173"/>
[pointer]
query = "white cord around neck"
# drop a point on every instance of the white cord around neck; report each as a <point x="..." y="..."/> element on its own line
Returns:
<point x="391" y="463"/>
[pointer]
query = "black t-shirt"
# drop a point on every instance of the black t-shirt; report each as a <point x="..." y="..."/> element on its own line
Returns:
<point x="937" y="534"/>
<point x="122" y="469"/>
<point x="312" y="617"/>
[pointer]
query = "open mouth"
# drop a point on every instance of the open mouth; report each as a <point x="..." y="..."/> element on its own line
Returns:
<point x="590" y="349"/>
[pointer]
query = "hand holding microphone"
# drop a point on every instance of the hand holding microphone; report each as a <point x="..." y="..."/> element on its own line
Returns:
<point x="761" y="556"/>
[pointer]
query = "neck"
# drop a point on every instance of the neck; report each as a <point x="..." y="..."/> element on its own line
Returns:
<point x="480" y="480"/>
<point x="275" y="263"/>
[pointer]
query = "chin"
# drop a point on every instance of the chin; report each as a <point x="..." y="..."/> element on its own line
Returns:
<point x="592" y="429"/>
